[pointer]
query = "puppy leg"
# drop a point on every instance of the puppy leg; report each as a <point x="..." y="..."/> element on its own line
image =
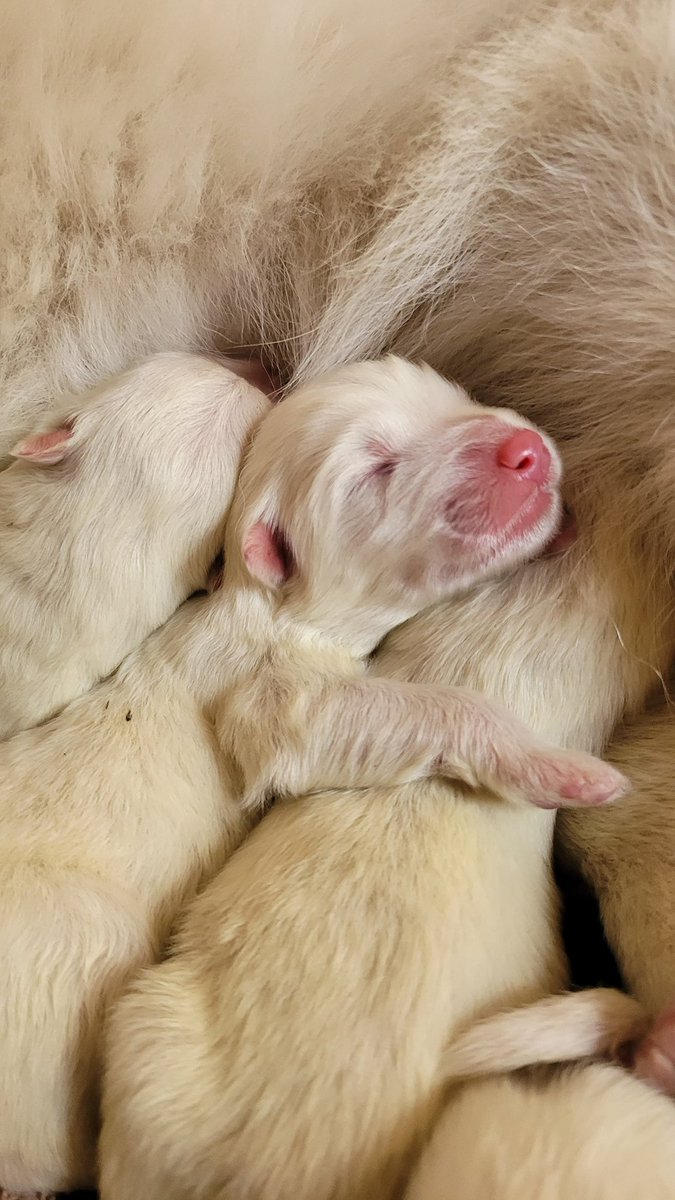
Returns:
<point x="374" y="732"/>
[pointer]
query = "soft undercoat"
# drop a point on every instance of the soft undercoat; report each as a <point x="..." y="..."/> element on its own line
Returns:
<point x="590" y="1131"/>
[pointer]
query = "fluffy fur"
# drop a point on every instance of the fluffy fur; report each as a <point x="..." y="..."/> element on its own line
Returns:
<point x="75" y="898"/>
<point x="108" y="521"/>
<point x="588" y="1024"/>
<point x="213" y="715"/>
<point x="358" y="914"/>
<point x="373" y="175"/>
<point x="186" y="175"/>
<point x="589" y="1132"/>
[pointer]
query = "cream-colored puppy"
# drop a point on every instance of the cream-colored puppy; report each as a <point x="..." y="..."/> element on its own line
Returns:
<point x="365" y="498"/>
<point x="291" y="1050"/>
<point x="591" y="1132"/>
<point x="116" y="810"/>
<point x="108" y="520"/>
<point x="79" y="861"/>
<point x="353" y="513"/>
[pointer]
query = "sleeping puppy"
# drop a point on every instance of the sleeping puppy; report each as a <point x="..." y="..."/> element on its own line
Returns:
<point x="366" y="497"/>
<point x="109" y="518"/>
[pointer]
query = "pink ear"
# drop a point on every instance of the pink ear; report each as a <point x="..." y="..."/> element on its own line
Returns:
<point x="266" y="555"/>
<point x="45" y="448"/>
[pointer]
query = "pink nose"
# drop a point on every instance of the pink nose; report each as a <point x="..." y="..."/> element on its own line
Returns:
<point x="524" y="452"/>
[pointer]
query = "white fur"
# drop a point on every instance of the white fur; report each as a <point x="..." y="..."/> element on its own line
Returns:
<point x="324" y="971"/>
<point x="588" y="1024"/>
<point x="523" y="241"/>
<point x="115" y="811"/>
<point x="591" y="1132"/>
<point x="187" y="175"/>
<point x="98" y="548"/>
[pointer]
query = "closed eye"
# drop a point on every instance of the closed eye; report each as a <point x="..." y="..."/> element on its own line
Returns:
<point x="383" y="469"/>
<point x="378" y="466"/>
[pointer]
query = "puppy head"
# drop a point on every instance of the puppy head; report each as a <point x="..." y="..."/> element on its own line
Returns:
<point x="382" y="488"/>
<point x="144" y="467"/>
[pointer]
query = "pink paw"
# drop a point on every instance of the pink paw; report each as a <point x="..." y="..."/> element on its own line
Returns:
<point x="567" y="779"/>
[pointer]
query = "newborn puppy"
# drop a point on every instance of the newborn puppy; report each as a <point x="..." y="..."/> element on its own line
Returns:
<point x="108" y="520"/>
<point x="589" y="1132"/>
<point x="80" y="860"/>
<point x="365" y="498"/>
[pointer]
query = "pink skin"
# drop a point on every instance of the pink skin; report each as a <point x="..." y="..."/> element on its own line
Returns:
<point x="45" y="448"/>
<point x="653" y="1059"/>
<point x="521" y="474"/>
<point x="508" y="487"/>
<point x="523" y="463"/>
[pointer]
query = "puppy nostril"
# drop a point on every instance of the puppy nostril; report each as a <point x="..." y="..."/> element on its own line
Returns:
<point x="525" y="461"/>
<point x="524" y="453"/>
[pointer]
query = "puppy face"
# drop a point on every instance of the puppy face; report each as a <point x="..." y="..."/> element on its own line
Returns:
<point x="385" y="486"/>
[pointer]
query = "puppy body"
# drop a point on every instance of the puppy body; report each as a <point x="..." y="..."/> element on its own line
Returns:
<point x="591" y="1131"/>
<point x="535" y="212"/>
<point x="319" y="978"/>
<point x="122" y="805"/>
<point x="89" y="881"/>
<point x="630" y="863"/>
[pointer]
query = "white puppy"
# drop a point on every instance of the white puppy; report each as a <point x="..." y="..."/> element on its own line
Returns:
<point x="323" y="973"/>
<point x="589" y="1132"/>
<point x="592" y="1131"/>
<point x="365" y="498"/>
<point x="71" y="791"/>
<point x="113" y="814"/>
<point x="109" y="520"/>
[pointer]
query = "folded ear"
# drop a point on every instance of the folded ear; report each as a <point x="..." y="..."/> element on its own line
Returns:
<point x="267" y="554"/>
<point x="46" y="448"/>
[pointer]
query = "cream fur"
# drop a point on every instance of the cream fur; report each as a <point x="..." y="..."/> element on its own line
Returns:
<point x="587" y="1024"/>
<point x="522" y="241"/>
<point x="98" y="548"/>
<point x="180" y="175"/>
<point x="77" y="880"/>
<point x="113" y="813"/>
<point x="327" y="967"/>
<point x="593" y="1132"/>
